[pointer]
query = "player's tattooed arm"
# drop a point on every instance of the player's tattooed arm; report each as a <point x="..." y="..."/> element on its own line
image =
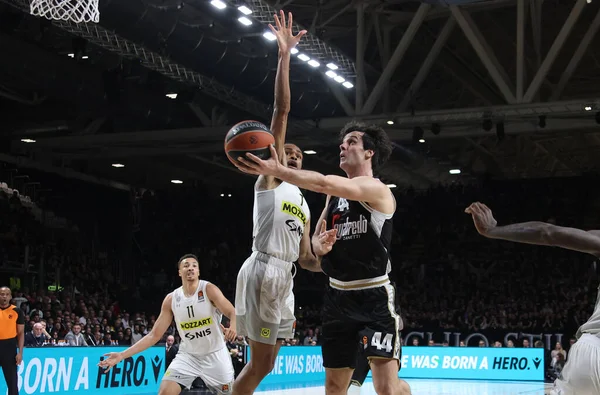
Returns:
<point x="534" y="232"/>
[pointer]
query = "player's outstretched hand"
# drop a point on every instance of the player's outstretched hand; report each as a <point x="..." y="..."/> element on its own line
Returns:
<point x="229" y="333"/>
<point x="325" y="240"/>
<point x="252" y="164"/>
<point x="112" y="359"/>
<point x="482" y="217"/>
<point x="285" y="38"/>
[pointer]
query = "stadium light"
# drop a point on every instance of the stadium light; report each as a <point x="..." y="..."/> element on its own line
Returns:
<point x="245" y="21"/>
<point x="218" y="4"/>
<point x="244" y="10"/>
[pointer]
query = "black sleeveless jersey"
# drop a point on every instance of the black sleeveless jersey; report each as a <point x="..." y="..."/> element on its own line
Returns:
<point x="363" y="241"/>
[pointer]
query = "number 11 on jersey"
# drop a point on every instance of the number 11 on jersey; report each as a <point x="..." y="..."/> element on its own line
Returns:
<point x="190" y="311"/>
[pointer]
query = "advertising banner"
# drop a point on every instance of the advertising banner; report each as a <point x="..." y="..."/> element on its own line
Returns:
<point x="297" y="364"/>
<point x="74" y="370"/>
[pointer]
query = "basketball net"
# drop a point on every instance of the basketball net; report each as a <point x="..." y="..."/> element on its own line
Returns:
<point x="66" y="10"/>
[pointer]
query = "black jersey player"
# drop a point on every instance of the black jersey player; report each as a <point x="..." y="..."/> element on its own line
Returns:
<point x="359" y="302"/>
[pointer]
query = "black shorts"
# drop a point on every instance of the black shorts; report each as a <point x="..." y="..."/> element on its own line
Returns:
<point x="361" y="370"/>
<point x="364" y="316"/>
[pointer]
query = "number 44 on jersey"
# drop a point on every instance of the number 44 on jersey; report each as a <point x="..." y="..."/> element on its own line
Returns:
<point x="387" y="341"/>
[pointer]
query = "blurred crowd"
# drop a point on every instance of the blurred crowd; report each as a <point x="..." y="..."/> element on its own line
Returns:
<point x="448" y="278"/>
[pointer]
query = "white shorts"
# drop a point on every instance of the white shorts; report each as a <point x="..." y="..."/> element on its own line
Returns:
<point x="581" y="373"/>
<point x="264" y="301"/>
<point x="215" y="369"/>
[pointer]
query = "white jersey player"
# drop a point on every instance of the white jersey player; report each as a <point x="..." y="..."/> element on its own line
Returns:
<point x="264" y="299"/>
<point x="197" y="307"/>
<point x="581" y="373"/>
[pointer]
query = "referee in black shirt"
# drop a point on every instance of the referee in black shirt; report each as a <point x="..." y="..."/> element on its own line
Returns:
<point x="12" y="336"/>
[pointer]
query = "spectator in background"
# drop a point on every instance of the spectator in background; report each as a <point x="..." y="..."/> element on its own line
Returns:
<point x="98" y="339"/>
<point x="75" y="337"/>
<point x="310" y="336"/>
<point x="36" y="337"/>
<point x="89" y="336"/>
<point x="136" y="336"/>
<point x="171" y="350"/>
<point x="558" y="349"/>
<point x="44" y="331"/>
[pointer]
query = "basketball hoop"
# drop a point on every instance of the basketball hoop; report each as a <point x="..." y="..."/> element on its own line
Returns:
<point x="66" y="10"/>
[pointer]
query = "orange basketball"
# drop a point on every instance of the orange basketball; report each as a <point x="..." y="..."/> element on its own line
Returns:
<point x="248" y="136"/>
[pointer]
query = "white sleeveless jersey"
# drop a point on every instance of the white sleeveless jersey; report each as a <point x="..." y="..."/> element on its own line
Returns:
<point x="198" y="321"/>
<point x="592" y="326"/>
<point x="280" y="215"/>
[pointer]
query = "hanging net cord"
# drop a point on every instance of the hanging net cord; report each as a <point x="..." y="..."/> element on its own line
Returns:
<point x="66" y="10"/>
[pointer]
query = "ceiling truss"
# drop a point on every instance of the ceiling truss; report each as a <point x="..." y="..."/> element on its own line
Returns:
<point x="511" y="100"/>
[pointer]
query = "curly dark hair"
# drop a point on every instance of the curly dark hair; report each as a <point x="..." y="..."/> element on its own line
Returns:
<point x="374" y="138"/>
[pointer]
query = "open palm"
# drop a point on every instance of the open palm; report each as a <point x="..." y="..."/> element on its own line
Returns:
<point x="283" y="31"/>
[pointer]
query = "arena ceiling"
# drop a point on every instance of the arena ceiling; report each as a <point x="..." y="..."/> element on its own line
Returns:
<point x="502" y="87"/>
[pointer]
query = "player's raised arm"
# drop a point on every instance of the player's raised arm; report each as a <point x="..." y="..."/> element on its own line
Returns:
<point x="216" y="296"/>
<point x="158" y="330"/>
<point x="286" y="42"/>
<point x="539" y="233"/>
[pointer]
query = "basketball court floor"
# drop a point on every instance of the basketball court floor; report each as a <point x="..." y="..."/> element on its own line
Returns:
<point x="436" y="387"/>
<point x="421" y="387"/>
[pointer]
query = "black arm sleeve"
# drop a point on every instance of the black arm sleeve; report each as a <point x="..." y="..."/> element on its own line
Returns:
<point x="20" y="316"/>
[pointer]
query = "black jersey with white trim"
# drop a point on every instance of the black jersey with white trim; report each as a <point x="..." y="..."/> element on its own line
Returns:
<point x="364" y="236"/>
